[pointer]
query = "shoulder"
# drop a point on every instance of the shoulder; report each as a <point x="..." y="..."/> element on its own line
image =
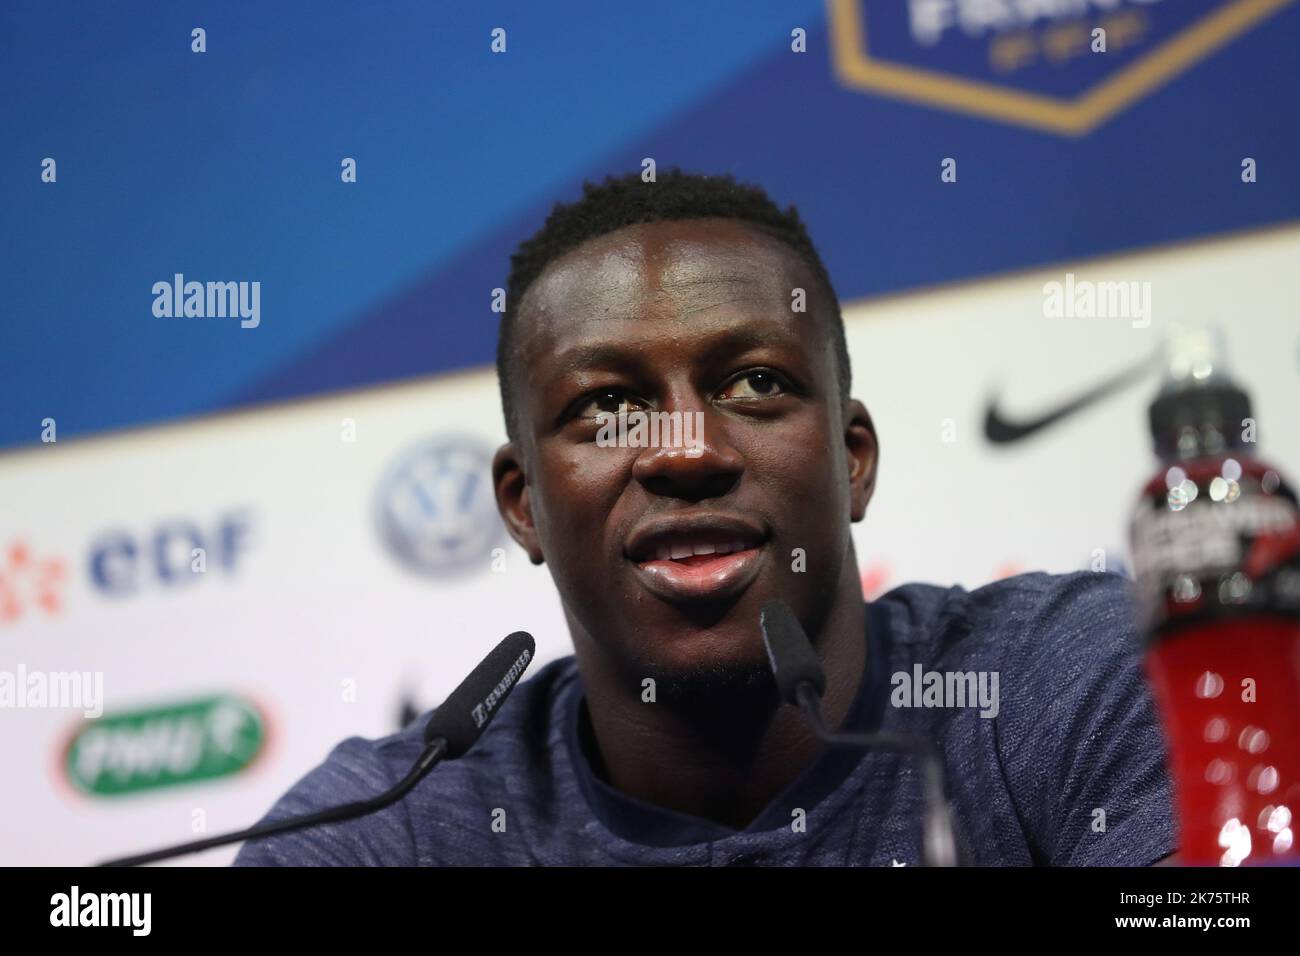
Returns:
<point x="1073" y="728"/>
<point x="1016" y="619"/>
<point x="403" y="834"/>
<point x="1064" y="646"/>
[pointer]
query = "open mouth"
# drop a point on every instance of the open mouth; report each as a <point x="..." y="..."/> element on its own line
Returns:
<point x="698" y="564"/>
<point x="697" y="552"/>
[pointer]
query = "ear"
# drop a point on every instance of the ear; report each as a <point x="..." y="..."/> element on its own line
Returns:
<point x="863" y="452"/>
<point x="511" y="487"/>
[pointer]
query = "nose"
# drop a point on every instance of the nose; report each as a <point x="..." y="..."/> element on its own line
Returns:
<point x="689" y="457"/>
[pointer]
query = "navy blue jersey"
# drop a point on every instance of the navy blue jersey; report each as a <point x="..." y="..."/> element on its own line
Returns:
<point x="1053" y="757"/>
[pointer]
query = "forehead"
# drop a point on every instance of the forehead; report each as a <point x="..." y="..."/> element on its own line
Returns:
<point x="662" y="270"/>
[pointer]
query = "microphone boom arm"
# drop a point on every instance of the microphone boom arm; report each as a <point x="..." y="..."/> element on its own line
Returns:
<point x="939" y="845"/>
<point x="428" y="760"/>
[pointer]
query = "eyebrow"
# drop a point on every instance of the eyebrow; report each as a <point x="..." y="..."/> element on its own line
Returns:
<point x="583" y="357"/>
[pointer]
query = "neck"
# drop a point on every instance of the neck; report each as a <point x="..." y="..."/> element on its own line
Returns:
<point x="719" y="759"/>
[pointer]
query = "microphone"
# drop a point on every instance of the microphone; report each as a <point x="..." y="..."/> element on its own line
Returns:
<point x="794" y="662"/>
<point x="451" y="731"/>
<point x="461" y="718"/>
<point x="801" y="682"/>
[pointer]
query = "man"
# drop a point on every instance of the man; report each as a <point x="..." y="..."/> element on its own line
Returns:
<point x="662" y="740"/>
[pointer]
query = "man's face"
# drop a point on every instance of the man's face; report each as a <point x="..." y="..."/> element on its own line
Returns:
<point x="664" y="556"/>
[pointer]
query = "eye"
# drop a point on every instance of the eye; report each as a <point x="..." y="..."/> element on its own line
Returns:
<point x="756" y="384"/>
<point x="611" y="400"/>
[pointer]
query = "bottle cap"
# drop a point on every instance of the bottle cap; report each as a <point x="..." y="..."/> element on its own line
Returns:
<point x="1199" y="409"/>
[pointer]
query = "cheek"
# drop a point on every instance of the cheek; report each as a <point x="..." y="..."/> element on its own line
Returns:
<point x="580" y="487"/>
<point x="799" y="459"/>
<point x="805" y="480"/>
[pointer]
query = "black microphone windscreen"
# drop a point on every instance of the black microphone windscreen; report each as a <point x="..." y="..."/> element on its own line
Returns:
<point x="789" y="651"/>
<point x="463" y="716"/>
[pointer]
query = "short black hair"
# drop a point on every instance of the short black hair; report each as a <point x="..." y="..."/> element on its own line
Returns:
<point x="629" y="200"/>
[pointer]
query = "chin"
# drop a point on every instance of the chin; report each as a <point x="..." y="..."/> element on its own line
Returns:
<point x="709" y="670"/>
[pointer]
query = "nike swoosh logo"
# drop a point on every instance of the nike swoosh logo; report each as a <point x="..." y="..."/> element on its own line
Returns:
<point x="1000" y="430"/>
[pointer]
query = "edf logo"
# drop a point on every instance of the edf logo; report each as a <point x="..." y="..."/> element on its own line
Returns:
<point x="175" y="553"/>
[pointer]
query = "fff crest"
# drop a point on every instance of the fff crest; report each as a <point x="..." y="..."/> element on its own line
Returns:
<point x="1065" y="66"/>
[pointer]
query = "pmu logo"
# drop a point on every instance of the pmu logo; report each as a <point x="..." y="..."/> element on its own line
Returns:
<point x="165" y="746"/>
<point x="436" y="509"/>
<point x="1065" y="66"/>
<point x="171" y="554"/>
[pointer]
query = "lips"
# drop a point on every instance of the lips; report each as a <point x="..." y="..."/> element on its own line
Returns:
<point x="701" y="558"/>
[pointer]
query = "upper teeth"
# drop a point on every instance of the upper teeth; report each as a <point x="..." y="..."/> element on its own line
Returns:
<point x="679" y="550"/>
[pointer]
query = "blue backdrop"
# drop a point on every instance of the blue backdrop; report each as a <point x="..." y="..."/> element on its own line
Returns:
<point x="225" y="165"/>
